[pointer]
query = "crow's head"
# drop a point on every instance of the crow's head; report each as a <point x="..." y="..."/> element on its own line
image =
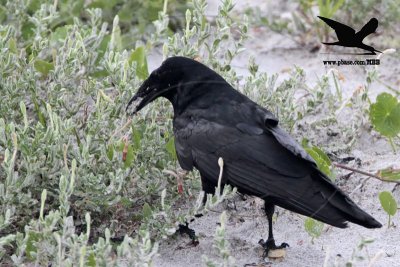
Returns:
<point x="165" y="81"/>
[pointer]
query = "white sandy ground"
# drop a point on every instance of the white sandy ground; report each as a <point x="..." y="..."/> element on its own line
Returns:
<point x="247" y="224"/>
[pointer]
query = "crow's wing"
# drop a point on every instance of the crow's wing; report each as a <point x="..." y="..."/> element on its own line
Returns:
<point x="263" y="160"/>
<point x="251" y="125"/>
<point x="269" y="147"/>
<point x="368" y="28"/>
<point x="343" y="32"/>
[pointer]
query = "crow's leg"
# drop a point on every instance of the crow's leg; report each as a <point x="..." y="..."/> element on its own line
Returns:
<point x="208" y="188"/>
<point x="184" y="229"/>
<point x="270" y="244"/>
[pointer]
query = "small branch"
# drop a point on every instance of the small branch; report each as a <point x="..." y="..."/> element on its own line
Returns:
<point x="179" y="175"/>
<point x="121" y="129"/>
<point x="65" y="152"/>
<point x="365" y="173"/>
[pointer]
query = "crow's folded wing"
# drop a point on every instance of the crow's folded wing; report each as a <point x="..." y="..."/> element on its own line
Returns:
<point x="273" y="157"/>
<point x="266" y="163"/>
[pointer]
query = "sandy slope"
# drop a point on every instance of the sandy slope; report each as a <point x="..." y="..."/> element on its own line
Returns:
<point x="247" y="224"/>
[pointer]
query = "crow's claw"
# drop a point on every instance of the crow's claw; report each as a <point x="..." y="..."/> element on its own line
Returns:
<point x="184" y="229"/>
<point x="270" y="245"/>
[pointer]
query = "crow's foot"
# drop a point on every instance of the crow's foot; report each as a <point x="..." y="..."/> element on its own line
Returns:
<point x="270" y="246"/>
<point x="184" y="229"/>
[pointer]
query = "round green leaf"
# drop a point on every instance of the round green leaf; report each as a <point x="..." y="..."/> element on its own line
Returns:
<point x="385" y="115"/>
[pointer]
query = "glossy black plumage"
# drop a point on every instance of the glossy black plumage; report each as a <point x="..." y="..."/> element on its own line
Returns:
<point x="212" y="120"/>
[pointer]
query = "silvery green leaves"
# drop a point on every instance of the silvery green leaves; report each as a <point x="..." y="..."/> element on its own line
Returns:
<point x="62" y="92"/>
<point x="222" y="246"/>
<point x="207" y="43"/>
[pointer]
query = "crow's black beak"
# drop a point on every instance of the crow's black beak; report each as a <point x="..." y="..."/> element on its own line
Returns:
<point x="135" y="104"/>
<point x="145" y="94"/>
<point x="140" y="99"/>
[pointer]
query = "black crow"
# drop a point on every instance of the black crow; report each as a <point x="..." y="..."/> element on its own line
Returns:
<point x="212" y="120"/>
<point x="348" y="37"/>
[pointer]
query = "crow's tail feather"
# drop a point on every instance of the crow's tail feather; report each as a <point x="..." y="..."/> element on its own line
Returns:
<point x="330" y="205"/>
<point x="340" y="203"/>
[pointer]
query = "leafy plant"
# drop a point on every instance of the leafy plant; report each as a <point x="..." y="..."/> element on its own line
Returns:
<point x="388" y="204"/>
<point x="385" y="116"/>
<point x="222" y="247"/>
<point x="328" y="8"/>
<point x="386" y="13"/>
<point x="63" y="132"/>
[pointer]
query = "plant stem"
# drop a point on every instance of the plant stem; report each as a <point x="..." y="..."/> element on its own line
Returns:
<point x="339" y="94"/>
<point x="365" y="173"/>
<point x="392" y="144"/>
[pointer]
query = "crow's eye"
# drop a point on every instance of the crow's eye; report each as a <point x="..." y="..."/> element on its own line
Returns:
<point x="155" y="73"/>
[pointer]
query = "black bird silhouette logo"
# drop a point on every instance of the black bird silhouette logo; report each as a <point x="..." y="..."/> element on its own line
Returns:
<point x="349" y="38"/>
